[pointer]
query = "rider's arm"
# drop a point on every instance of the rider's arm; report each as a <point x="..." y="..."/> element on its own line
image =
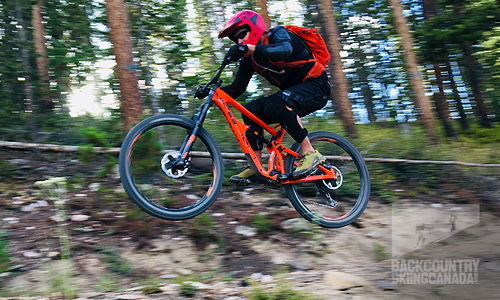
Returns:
<point x="243" y="76"/>
<point x="279" y="47"/>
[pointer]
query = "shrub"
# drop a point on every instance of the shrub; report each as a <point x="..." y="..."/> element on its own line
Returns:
<point x="4" y="253"/>
<point x="261" y="222"/>
<point x="380" y="252"/>
<point x="95" y="138"/>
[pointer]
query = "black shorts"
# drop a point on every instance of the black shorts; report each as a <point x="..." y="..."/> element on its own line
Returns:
<point x="303" y="98"/>
<point x="307" y="97"/>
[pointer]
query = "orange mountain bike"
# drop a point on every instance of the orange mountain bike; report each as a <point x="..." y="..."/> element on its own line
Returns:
<point x="172" y="168"/>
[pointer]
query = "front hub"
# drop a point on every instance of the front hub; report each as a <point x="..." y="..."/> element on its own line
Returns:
<point x="171" y="168"/>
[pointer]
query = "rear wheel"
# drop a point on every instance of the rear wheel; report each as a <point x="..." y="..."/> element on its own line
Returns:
<point x="331" y="203"/>
<point x="147" y="175"/>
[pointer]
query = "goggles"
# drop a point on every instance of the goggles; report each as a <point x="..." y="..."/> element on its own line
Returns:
<point x="239" y="36"/>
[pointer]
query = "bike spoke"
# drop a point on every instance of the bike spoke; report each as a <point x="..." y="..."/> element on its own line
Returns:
<point x="160" y="180"/>
<point x="332" y="202"/>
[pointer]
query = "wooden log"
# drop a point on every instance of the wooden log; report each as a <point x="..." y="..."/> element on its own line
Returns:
<point x="116" y="151"/>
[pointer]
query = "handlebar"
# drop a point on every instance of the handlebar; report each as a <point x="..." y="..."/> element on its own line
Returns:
<point x="203" y="91"/>
<point x="217" y="74"/>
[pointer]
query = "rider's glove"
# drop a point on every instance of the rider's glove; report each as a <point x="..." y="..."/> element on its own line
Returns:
<point x="201" y="92"/>
<point x="235" y="53"/>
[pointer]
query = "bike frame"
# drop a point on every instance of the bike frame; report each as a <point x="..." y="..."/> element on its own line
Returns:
<point x="275" y="171"/>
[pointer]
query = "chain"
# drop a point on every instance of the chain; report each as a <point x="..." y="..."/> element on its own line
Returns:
<point x="319" y="204"/>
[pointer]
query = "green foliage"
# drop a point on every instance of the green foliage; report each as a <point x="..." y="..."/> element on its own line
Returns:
<point x="201" y="230"/>
<point x="373" y="142"/>
<point x="480" y="136"/>
<point x="135" y="214"/>
<point x="151" y="285"/>
<point x="187" y="289"/>
<point x="146" y="154"/>
<point x="94" y="137"/>
<point x="107" y="283"/>
<point x="111" y="162"/>
<point x="380" y="252"/>
<point x="114" y="262"/>
<point x="382" y="182"/>
<point x="261" y="222"/>
<point x="68" y="30"/>
<point x="61" y="278"/>
<point x="282" y="291"/>
<point x="202" y="226"/>
<point x="5" y="257"/>
<point x="86" y="154"/>
<point x="7" y="169"/>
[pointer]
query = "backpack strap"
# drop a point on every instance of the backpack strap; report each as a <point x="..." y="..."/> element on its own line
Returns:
<point x="317" y="69"/>
<point x="301" y="41"/>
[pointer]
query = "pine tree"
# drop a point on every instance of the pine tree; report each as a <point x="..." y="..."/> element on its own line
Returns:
<point x="412" y="67"/>
<point x="340" y="88"/>
<point x="125" y="69"/>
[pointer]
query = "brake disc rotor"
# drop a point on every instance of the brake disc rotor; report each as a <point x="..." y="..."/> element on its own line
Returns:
<point x="167" y="163"/>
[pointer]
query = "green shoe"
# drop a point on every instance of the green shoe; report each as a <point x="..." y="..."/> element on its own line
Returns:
<point x="245" y="177"/>
<point x="307" y="164"/>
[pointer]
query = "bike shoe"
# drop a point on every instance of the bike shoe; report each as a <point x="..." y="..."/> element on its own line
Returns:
<point x="307" y="164"/>
<point x="245" y="177"/>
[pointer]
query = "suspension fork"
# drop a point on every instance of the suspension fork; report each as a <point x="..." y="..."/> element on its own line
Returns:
<point x="198" y="119"/>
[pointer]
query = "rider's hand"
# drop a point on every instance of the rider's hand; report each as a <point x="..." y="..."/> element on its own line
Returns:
<point x="201" y="92"/>
<point x="235" y="53"/>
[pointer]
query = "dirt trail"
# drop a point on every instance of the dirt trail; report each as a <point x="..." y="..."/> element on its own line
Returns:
<point x="221" y="257"/>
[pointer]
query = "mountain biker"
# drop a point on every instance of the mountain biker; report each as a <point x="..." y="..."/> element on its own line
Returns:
<point x="300" y="93"/>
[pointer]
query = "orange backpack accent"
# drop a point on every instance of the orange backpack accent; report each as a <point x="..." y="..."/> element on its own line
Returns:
<point x="313" y="42"/>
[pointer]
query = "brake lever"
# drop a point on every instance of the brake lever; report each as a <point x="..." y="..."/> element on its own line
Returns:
<point x="201" y="92"/>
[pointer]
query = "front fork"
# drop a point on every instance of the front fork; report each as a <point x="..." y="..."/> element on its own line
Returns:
<point x="176" y="164"/>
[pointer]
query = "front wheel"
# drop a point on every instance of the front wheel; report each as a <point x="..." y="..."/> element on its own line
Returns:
<point x="331" y="203"/>
<point x="145" y="162"/>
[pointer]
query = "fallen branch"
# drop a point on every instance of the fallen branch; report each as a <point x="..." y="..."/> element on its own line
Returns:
<point x="115" y="151"/>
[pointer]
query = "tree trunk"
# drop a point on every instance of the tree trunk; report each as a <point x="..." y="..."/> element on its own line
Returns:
<point x="122" y="46"/>
<point x="262" y="6"/>
<point x="42" y="59"/>
<point x="412" y="68"/>
<point x="146" y="63"/>
<point x="456" y="96"/>
<point x="442" y="107"/>
<point x="340" y="88"/>
<point x="475" y="82"/>
<point x="366" y="90"/>
<point x="28" y="87"/>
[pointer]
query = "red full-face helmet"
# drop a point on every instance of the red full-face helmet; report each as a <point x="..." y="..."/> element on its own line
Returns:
<point x="249" y="18"/>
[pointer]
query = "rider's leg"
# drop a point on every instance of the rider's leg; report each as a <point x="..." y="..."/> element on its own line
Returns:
<point x="305" y="98"/>
<point x="246" y="176"/>
<point x="306" y="143"/>
<point x="306" y="146"/>
<point x="272" y="109"/>
<point x="276" y="110"/>
<point x="311" y="158"/>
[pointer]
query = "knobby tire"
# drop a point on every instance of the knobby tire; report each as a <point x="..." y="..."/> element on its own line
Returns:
<point x="148" y="185"/>
<point x="352" y="195"/>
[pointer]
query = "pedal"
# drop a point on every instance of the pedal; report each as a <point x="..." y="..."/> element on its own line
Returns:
<point x="245" y="182"/>
<point x="274" y="172"/>
<point x="284" y="176"/>
<point x="304" y="175"/>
